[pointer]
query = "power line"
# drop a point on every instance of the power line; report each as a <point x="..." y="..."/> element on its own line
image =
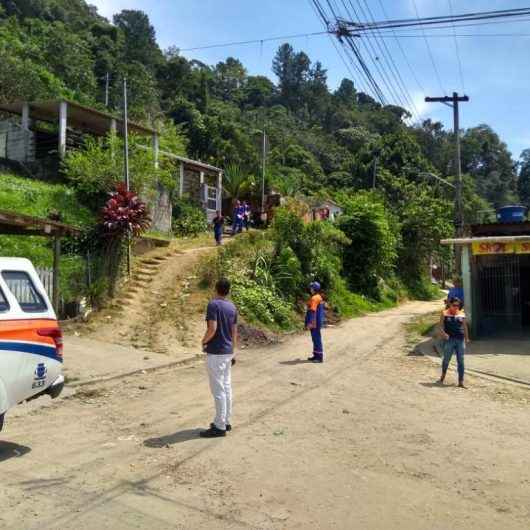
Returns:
<point x="373" y="57"/>
<point x="349" y="47"/>
<point x="393" y="68"/>
<point x="457" y="49"/>
<point x="359" y="80"/>
<point x="485" y="15"/>
<point x="448" y="35"/>
<point x="254" y="41"/>
<point x="429" y="49"/>
<point x="420" y="86"/>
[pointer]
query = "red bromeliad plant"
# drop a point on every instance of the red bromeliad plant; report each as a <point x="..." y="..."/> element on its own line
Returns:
<point x="125" y="214"/>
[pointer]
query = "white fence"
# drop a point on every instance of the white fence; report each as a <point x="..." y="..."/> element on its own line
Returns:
<point x="23" y="290"/>
<point x="46" y="277"/>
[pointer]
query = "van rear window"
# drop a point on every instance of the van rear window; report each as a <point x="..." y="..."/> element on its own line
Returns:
<point x="4" y="304"/>
<point x="20" y="284"/>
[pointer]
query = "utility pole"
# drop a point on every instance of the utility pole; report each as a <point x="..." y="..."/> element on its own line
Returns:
<point x="453" y="101"/>
<point x="107" y="85"/>
<point x="374" y="171"/>
<point x="125" y="136"/>
<point x="263" y="162"/>
<point x="126" y="166"/>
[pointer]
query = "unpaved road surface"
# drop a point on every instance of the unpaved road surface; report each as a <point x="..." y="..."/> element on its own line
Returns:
<point x="364" y="441"/>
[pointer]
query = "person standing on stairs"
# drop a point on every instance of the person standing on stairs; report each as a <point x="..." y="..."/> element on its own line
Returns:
<point x="218" y="226"/>
<point x="220" y="343"/>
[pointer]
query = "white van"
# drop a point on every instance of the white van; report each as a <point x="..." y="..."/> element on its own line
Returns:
<point x="31" y="342"/>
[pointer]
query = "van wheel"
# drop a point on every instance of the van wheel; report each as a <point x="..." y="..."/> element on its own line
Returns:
<point x="2" y="421"/>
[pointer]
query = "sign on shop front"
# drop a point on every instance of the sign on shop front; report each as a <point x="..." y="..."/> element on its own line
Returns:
<point x="499" y="247"/>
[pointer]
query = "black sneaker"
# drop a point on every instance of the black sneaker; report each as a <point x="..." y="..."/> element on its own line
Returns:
<point x="212" y="432"/>
<point x="228" y="427"/>
<point x="315" y="359"/>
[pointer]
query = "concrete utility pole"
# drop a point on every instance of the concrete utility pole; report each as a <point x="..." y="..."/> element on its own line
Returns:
<point x="126" y="166"/>
<point x="125" y="135"/>
<point x="107" y="82"/>
<point x="453" y="101"/>
<point x="264" y="159"/>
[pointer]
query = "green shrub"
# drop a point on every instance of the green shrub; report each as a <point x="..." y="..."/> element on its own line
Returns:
<point x="371" y="253"/>
<point x="189" y="219"/>
<point x="260" y="304"/>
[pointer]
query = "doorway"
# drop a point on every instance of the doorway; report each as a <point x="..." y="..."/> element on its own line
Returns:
<point x="499" y="295"/>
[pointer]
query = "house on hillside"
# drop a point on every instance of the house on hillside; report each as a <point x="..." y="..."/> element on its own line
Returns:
<point x="325" y="210"/>
<point x="43" y="131"/>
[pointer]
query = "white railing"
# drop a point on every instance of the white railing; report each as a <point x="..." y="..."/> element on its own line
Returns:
<point x="46" y="277"/>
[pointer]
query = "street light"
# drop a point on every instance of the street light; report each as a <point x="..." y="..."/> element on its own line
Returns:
<point x="432" y="175"/>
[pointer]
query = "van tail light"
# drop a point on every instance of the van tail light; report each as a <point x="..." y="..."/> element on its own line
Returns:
<point x="56" y="334"/>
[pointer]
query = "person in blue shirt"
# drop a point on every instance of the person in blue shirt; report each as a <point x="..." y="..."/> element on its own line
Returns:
<point x="237" y="223"/>
<point x="456" y="291"/>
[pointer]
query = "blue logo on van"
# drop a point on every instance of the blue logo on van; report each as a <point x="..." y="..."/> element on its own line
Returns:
<point x="41" y="371"/>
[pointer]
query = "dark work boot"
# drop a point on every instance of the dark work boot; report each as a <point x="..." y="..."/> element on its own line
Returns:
<point x="228" y="426"/>
<point x="212" y="432"/>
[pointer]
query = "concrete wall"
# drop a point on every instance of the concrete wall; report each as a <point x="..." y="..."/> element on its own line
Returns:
<point x="161" y="210"/>
<point x="19" y="143"/>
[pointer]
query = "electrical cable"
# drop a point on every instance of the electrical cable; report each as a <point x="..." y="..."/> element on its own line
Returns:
<point x="350" y="47"/>
<point x="254" y="41"/>
<point x="373" y="57"/>
<point x="414" y="76"/>
<point x="358" y="80"/>
<point x="437" y="73"/>
<point x="393" y="69"/>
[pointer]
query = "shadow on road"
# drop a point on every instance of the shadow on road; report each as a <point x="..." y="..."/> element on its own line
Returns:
<point x="437" y="384"/>
<point x="171" y="439"/>
<point x="295" y="362"/>
<point x="12" y="450"/>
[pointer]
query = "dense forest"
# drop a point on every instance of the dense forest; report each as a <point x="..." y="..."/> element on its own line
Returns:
<point x="321" y="141"/>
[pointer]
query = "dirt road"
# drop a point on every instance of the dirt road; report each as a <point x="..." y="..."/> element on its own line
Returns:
<point x="364" y="441"/>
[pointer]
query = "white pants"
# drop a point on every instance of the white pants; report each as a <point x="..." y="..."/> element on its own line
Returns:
<point x="220" y="375"/>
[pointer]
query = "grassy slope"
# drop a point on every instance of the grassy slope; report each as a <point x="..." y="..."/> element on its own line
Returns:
<point x="32" y="197"/>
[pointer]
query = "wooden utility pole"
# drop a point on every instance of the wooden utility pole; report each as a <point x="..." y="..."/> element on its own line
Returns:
<point x="453" y="101"/>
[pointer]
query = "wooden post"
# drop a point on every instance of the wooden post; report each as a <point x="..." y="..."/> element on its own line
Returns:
<point x="56" y="260"/>
<point x="63" y="112"/>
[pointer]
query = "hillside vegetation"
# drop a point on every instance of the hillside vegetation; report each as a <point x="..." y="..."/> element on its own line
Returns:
<point x="337" y="143"/>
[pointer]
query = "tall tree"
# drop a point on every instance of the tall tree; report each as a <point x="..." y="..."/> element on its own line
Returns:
<point x="229" y="79"/>
<point x="524" y="177"/>
<point x="140" y="39"/>
<point x="487" y="159"/>
<point x="292" y="70"/>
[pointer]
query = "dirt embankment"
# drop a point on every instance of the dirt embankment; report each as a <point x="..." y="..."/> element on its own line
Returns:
<point x="161" y="309"/>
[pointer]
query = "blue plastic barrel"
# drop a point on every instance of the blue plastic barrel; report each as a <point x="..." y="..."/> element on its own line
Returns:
<point x="511" y="214"/>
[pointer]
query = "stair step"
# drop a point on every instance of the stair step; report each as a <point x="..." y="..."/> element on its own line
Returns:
<point x="146" y="272"/>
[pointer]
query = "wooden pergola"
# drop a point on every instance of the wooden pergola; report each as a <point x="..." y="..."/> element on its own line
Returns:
<point x="12" y="223"/>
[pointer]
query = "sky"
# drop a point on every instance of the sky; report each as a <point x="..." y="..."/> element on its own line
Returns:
<point x="496" y="73"/>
